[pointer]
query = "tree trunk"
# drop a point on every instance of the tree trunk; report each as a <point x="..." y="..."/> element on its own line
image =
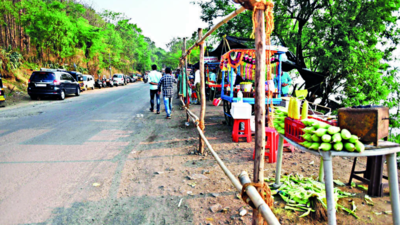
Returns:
<point x="21" y="39"/>
<point x="28" y="44"/>
<point x="259" y="105"/>
<point x="299" y="47"/>
<point x="6" y="31"/>
<point x="1" y="36"/>
<point x="10" y="32"/>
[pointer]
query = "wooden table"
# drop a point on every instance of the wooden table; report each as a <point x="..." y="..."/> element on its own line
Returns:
<point x="388" y="149"/>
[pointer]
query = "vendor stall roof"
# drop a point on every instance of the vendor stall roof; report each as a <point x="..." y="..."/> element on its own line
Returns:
<point x="234" y="43"/>
<point x="289" y="61"/>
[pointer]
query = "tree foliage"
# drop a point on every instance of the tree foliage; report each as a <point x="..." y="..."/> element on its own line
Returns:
<point x="64" y="33"/>
<point x="349" y="41"/>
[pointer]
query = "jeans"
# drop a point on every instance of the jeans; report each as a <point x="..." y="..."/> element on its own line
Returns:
<point x="168" y="105"/>
<point x="285" y="95"/>
<point x="152" y="93"/>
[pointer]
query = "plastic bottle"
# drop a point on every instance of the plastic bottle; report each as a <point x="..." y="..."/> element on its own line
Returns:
<point x="240" y="96"/>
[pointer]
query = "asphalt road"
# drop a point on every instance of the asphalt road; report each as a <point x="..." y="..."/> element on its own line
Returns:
<point x="58" y="157"/>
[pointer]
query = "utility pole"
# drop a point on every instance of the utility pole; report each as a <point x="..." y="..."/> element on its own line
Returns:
<point x="109" y="61"/>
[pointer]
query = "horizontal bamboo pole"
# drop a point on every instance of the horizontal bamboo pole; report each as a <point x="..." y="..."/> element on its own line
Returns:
<point x="214" y="28"/>
<point x="251" y="191"/>
<point x="260" y="204"/>
<point x="190" y="112"/>
<point x="233" y="179"/>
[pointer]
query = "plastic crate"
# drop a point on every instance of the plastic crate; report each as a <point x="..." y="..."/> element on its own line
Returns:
<point x="294" y="128"/>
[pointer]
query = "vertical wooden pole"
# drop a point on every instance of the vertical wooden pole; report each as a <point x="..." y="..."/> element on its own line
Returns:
<point x="186" y="83"/>
<point x="259" y="107"/>
<point x="202" y="92"/>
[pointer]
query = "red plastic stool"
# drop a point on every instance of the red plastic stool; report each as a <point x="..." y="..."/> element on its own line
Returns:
<point x="271" y="143"/>
<point x="287" y="145"/>
<point x="246" y="132"/>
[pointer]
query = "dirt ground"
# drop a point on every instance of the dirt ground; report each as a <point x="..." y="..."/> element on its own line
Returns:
<point x="159" y="179"/>
<point x="173" y="162"/>
<point x="15" y="98"/>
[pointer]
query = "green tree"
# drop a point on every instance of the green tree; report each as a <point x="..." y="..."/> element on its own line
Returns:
<point x="336" y="38"/>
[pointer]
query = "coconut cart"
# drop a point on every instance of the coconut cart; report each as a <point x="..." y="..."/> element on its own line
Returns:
<point x="243" y="61"/>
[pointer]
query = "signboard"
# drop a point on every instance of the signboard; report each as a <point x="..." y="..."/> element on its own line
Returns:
<point x="210" y="59"/>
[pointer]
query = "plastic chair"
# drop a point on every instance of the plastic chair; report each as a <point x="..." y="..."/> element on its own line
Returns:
<point x="271" y="143"/>
<point x="236" y="130"/>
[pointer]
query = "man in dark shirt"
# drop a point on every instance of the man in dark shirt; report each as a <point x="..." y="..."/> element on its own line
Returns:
<point x="166" y="83"/>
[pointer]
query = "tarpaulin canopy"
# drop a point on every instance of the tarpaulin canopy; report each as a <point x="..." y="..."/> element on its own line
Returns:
<point x="233" y="43"/>
<point x="313" y="80"/>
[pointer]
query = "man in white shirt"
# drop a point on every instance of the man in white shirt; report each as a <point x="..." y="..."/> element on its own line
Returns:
<point x="154" y="77"/>
<point x="197" y="84"/>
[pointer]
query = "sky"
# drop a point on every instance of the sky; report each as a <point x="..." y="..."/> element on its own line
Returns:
<point x="160" y="20"/>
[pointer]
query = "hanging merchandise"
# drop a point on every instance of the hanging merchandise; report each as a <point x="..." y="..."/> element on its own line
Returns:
<point x="249" y="67"/>
<point x="235" y="58"/>
<point x="253" y="69"/>
<point x="244" y="65"/>
<point x="224" y="65"/>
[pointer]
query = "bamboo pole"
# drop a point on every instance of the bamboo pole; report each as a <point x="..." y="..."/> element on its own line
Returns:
<point x="251" y="191"/>
<point x="259" y="107"/>
<point x="202" y="91"/>
<point x="258" y="202"/>
<point x="214" y="28"/>
<point x="185" y="80"/>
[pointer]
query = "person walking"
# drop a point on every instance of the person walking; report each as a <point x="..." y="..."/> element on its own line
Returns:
<point x="154" y="79"/>
<point x="178" y="77"/>
<point x="166" y="83"/>
<point x="197" y="84"/>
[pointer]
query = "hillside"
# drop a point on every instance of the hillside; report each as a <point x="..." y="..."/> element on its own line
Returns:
<point x="73" y="36"/>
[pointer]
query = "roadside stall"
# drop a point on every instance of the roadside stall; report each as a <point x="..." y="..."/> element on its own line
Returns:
<point x="213" y="79"/>
<point x="243" y="61"/>
<point x="359" y="131"/>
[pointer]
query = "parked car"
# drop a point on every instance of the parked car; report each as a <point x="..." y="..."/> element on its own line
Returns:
<point x="78" y="77"/>
<point x="88" y="82"/>
<point x="118" y="79"/>
<point x="52" y="83"/>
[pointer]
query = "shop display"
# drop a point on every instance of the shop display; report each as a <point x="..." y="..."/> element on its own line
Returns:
<point x="313" y="133"/>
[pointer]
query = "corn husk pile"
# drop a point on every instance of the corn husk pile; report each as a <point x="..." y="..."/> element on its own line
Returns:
<point x="302" y="193"/>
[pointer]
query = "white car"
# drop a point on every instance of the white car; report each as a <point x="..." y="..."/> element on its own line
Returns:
<point x="88" y="82"/>
<point x="118" y="79"/>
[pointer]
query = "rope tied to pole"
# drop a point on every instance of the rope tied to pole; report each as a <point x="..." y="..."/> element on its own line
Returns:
<point x="266" y="6"/>
<point x="265" y="193"/>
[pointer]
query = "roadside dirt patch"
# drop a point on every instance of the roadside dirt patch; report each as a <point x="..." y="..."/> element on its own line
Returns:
<point x="163" y="167"/>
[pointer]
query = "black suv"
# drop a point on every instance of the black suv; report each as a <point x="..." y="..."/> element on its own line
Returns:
<point x="52" y="83"/>
<point x="78" y="77"/>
